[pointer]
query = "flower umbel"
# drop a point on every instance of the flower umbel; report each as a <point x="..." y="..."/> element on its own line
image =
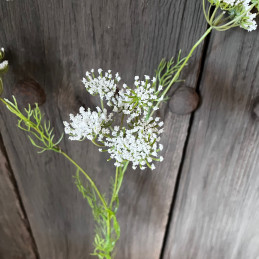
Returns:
<point x="138" y="145"/>
<point x="87" y="124"/>
<point x="124" y="125"/>
<point x="105" y="85"/>
<point x="135" y="140"/>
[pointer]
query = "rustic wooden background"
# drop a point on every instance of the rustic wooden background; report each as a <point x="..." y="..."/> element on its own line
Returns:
<point x="203" y="202"/>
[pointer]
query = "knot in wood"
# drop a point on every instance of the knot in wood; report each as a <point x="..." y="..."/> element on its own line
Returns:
<point x="185" y="100"/>
<point x="28" y="91"/>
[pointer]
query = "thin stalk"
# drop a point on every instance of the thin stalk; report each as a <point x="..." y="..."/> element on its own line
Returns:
<point x="213" y="14"/>
<point x="115" y="186"/>
<point x="176" y="76"/>
<point x="108" y="224"/>
<point x="102" y="103"/>
<point x="95" y="143"/>
<point x="87" y="177"/>
<point x="204" y="11"/>
<point x="121" y="179"/>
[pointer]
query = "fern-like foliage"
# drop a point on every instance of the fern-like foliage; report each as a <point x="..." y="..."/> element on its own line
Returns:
<point x="40" y="132"/>
<point x="167" y="70"/>
<point x="107" y="229"/>
<point x="167" y="74"/>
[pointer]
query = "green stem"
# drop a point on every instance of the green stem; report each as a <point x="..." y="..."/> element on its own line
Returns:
<point x="213" y="15"/>
<point x="87" y="177"/>
<point x="95" y="143"/>
<point x="115" y="186"/>
<point x="204" y="11"/>
<point x="121" y="178"/>
<point x="108" y="224"/>
<point x="102" y="104"/>
<point x="176" y="76"/>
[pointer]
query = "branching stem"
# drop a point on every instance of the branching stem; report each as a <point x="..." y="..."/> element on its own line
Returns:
<point x="176" y="76"/>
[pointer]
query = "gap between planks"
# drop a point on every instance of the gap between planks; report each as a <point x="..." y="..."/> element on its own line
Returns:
<point x="25" y="219"/>
<point x="178" y="178"/>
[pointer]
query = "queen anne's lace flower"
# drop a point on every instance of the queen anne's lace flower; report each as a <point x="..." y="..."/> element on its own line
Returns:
<point x="138" y="101"/>
<point x="138" y="140"/>
<point x="87" y="124"/>
<point x="138" y="145"/>
<point x="105" y="85"/>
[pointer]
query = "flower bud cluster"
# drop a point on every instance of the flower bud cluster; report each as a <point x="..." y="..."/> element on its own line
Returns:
<point x="239" y="11"/>
<point x="137" y="139"/>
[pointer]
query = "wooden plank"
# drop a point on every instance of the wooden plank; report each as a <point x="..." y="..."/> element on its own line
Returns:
<point x="54" y="42"/>
<point x="15" y="237"/>
<point x="217" y="208"/>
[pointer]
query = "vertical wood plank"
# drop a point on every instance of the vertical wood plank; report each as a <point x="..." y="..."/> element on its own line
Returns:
<point x="16" y="240"/>
<point x="217" y="208"/>
<point x="54" y="42"/>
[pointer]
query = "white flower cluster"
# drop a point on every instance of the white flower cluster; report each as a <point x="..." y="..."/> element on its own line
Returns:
<point x="241" y="8"/>
<point x="4" y="64"/>
<point x="87" y="124"/>
<point x="105" y="85"/>
<point x="138" y="145"/>
<point x="138" y="140"/>
<point x="138" y="101"/>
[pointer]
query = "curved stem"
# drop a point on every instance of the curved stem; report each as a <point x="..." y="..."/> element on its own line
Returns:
<point x="87" y="177"/>
<point x="204" y="11"/>
<point x="95" y="143"/>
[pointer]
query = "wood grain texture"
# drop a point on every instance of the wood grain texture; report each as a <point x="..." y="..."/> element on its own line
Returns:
<point x="16" y="240"/>
<point x="217" y="208"/>
<point x="54" y="42"/>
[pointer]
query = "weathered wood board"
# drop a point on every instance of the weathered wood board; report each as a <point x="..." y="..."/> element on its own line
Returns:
<point x="217" y="208"/>
<point x="16" y="240"/>
<point x="54" y="42"/>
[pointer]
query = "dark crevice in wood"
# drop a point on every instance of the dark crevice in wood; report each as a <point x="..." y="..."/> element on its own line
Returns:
<point x="178" y="178"/>
<point x="24" y="217"/>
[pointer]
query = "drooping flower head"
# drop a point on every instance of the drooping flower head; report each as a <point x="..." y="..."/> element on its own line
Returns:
<point x="236" y="12"/>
